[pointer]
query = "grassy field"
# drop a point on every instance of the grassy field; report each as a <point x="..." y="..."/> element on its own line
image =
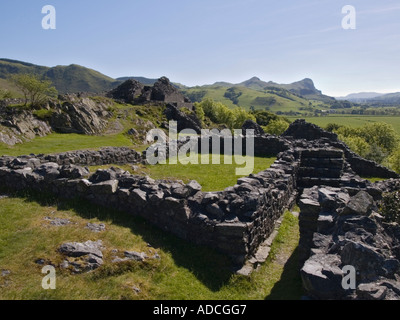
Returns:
<point x="212" y="177"/>
<point x="352" y="120"/>
<point x="184" y="272"/>
<point x="56" y="142"/>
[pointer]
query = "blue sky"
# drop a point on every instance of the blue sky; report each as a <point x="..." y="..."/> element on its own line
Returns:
<point x="201" y="42"/>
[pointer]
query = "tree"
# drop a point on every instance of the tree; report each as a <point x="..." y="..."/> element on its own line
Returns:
<point x="240" y="116"/>
<point x="382" y="135"/>
<point x="395" y="161"/>
<point x="35" y="90"/>
<point x="221" y="114"/>
<point x="264" y="117"/>
<point x="276" y="127"/>
<point x="357" y="144"/>
<point x="198" y="109"/>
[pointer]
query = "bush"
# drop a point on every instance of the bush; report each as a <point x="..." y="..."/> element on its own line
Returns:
<point x="43" y="114"/>
<point x="355" y="143"/>
<point x="394" y="161"/>
<point x="374" y="141"/>
<point x="376" y="153"/>
<point x="264" y="117"/>
<point x="276" y="127"/>
<point x="5" y="94"/>
<point x="381" y="134"/>
<point x="331" y="127"/>
<point x="198" y="109"/>
<point x="390" y="206"/>
<point x="221" y="114"/>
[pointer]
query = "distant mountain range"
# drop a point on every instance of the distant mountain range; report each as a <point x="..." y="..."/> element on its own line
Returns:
<point x="77" y="78"/>
<point x="304" y="88"/>
<point x="254" y="92"/>
<point x="373" y="98"/>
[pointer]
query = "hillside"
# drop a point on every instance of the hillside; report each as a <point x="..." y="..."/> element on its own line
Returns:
<point x="360" y="97"/>
<point x="297" y="97"/>
<point x="304" y="88"/>
<point x="143" y="80"/>
<point x="72" y="78"/>
<point x="273" y="98"/>
<point x="374" y="98"/>
<point x="386" y="99"/>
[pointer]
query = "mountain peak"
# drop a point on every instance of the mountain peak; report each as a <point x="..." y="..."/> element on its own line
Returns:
<point x="254" y="83"/>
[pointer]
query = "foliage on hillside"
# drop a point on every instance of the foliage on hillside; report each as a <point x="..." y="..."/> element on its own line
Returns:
<point x="219" y="113"/>
<point x="276" y="100"/>
<point x="66" y="79"/>
<point x="211" y="112"/>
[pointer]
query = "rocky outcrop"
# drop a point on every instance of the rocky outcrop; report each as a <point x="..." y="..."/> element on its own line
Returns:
<point x="18" y="125"/>
<point x="132" y="91"/>
<point x="80" y="115"/>
<point x="185" y="121"/>
<point x="69" y="114"/>
<point x="164" y="91"/>
<point x="251" y="125"/>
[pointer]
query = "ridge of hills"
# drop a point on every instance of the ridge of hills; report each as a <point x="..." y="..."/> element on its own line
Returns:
<point x="252" y="93"/>
<point x="373" y="98"/>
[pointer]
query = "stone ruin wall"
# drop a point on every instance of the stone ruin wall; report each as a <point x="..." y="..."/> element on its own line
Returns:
<point x="236" y="221"/>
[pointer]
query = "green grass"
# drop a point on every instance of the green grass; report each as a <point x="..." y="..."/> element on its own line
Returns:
<point x="55" y="142"/>
<point x="185" y="271"/>
<point x="352" y="120"/>
<point x="212" y="177"/>
<point x="373" y="179"/>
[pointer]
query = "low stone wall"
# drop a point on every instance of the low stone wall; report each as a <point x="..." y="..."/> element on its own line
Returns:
<point x="235" y="221"/>
<point x="105" y="156"/>
<point x="307" y="135"/>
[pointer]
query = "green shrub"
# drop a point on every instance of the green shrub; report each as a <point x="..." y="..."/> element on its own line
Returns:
<point x="381" y="134"/>
<point x="331" y="127"/>
<point x="390" y="206"/>
<point x="221" y="114"/>
<point x="263" y="118"/>
<point x="276" y="127"/>
<point x="376" y="153"/>
<point x="5" y="94"/>
<point x="375" y="141"/>
<point x="394" y="161"/>
<point x="199" y="113"/>
<point x="43" y="114"/>
<point x="357" y="144"/>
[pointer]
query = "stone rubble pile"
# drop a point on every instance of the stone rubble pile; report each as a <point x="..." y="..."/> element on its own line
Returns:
<point x="339" y="228"/>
